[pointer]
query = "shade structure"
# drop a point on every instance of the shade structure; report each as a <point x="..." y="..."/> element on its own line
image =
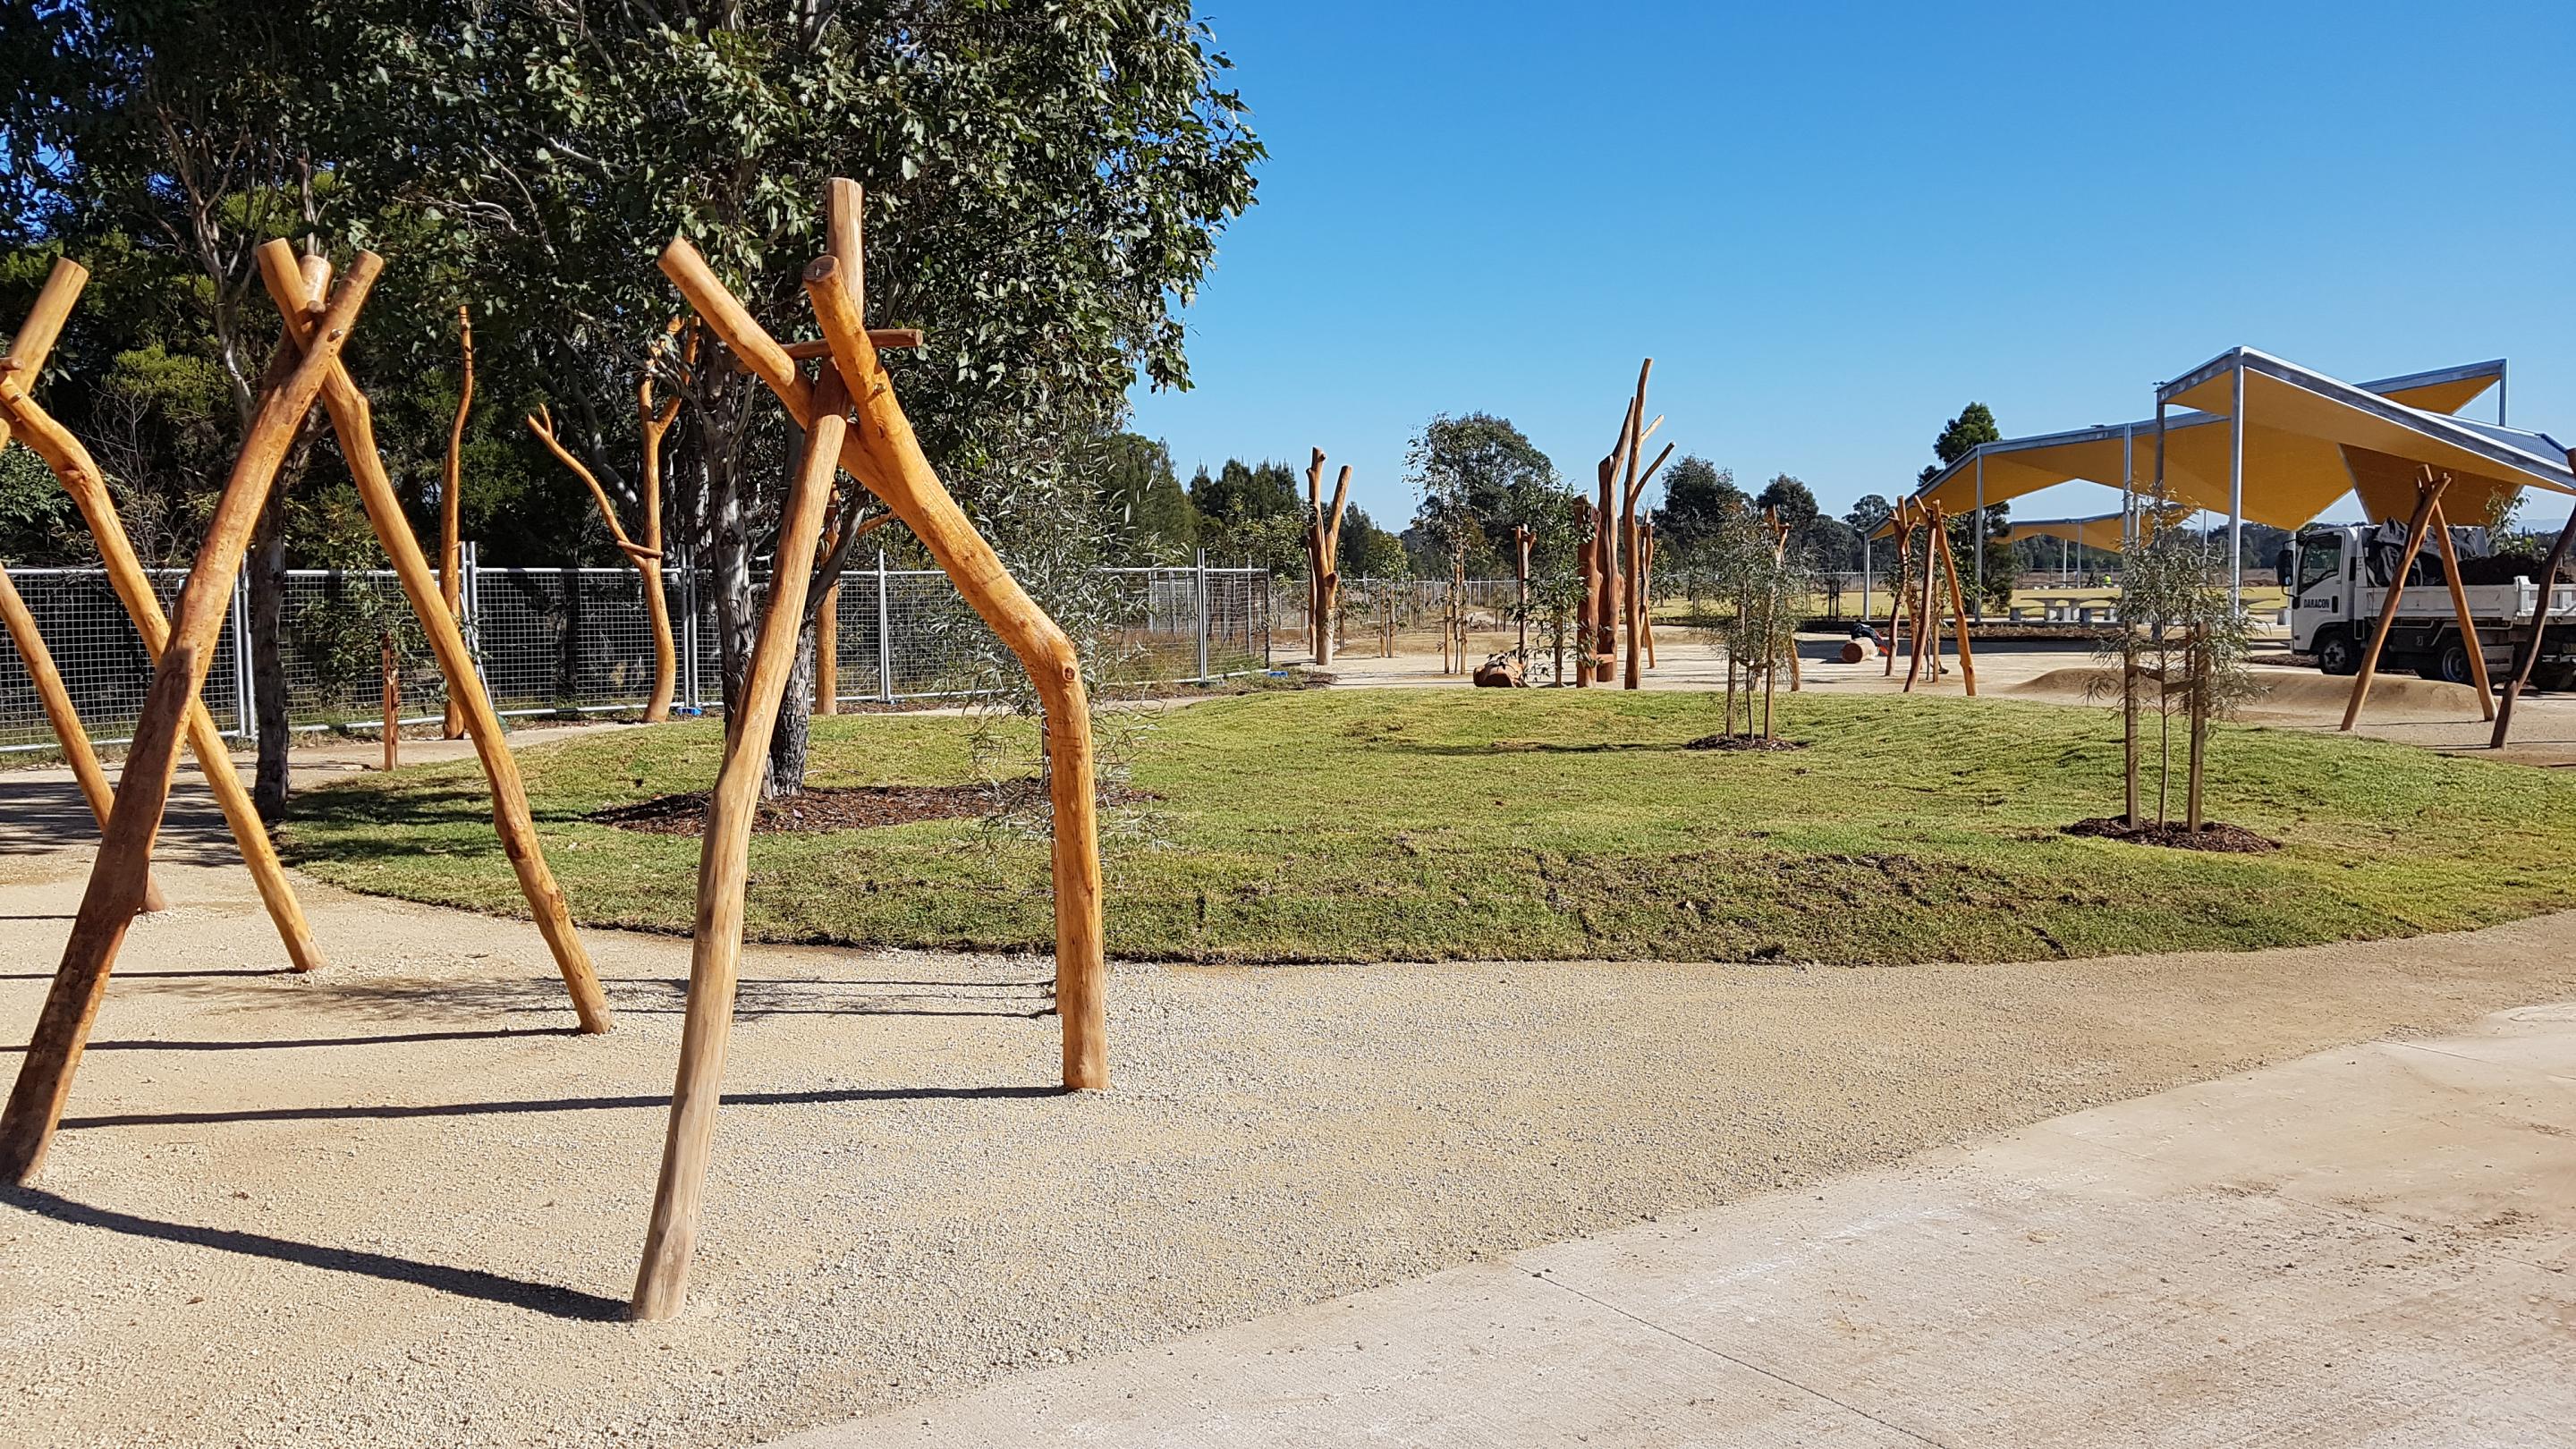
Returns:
<point x="2301" y="428"/>
<point x="2102" y="530"/>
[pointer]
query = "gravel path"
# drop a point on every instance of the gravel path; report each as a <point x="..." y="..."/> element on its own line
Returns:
<point x="396" y="1203"/>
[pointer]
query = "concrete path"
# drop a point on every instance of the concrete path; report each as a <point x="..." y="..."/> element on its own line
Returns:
<point x="2370" y="1246"/>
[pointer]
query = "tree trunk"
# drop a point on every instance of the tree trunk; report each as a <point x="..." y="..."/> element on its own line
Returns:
<point x="270" y="782"/>
<point x="791" y="738"/>
<point x="2199" y="727"/>
<point x="2129" y="753"/>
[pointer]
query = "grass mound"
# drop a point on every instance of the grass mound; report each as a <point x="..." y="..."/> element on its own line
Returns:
<point x="1399" y="825"/>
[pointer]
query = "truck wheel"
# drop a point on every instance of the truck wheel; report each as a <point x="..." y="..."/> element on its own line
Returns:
<point x="2449" y="664"/>
<point x="2338" y="653"/>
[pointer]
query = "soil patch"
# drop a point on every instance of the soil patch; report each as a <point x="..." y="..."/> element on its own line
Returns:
<point x="2213" y="835"/>
<point x="1743" y="742"/>
<point x="844" y="807"/>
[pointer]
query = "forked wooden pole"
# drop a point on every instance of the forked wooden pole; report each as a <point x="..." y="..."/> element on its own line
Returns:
<point x="354" y="421"/>
<point x="1958" y="604"/>
<point x="652" y="422"/>
<point x="2530" y="652"/>
<point x="1323" y="557"/>
<point x="116" y="881"/>
<point x="715" y="953"/>
<point x="57" y="702"/>
<point x="451" y="495"/>
<point x="2428" y="498"/>
<point x="79" y="474"/>
<point x="2468" y="622"/>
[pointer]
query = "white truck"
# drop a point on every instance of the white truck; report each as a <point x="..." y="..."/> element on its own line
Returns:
<point x="2342" y="576"/>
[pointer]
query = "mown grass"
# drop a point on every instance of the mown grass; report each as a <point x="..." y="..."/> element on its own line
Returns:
<point x="1380" y="824"/>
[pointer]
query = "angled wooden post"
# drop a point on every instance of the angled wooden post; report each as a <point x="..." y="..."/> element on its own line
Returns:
<point x="79" y="474"/>
<point x="715" y="953"/>
<point x="116" y="881"/>
<point x="1958" y="605"/>
<point x="354" y="421"/>
<point x="1896" y="600"/>
<point x="57" y="702"/>
<point x="1632" y="543"/>
<point x="451" y="494"/>
<point x="1625" y="567"/>
<point x="1602" y="651"/>
<point x="653" y="420"/>
<point x="2428" y="499"/>
<point x="2468" y="622"/>
<point x="2530" y="652"/>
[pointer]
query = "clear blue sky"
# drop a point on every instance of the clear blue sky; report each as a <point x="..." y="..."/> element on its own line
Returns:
<point x="1832" y="225"/>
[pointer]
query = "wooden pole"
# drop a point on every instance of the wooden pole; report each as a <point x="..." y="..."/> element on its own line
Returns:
<point x="1520" y="579"/>
<point x="1927" y="622"/>
<point x="57" y="702"/>
<point x="1602" y="653"/>
<point x="1896" y="600"/>
<point x="1646" y="570"/>
<point x="354" y="421"/>
<point x="393" y="705"/>
<point x="1958" y="605"/>
<point x="451" y="492"/>
<point x="116" y="881"/>
<point x="2196" y="650"/>
<point x="2428" y="498"/>
<point x="2468" y="622"/>
<point x="2530" y="653"/>
<point x="652" y="422"/>
<point x="1632" y="604"/>
<point x="79" y="474"/>
<point x="724" y="861"/>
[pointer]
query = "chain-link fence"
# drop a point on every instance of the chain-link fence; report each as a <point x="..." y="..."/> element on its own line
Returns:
<point x="554" y="641"/>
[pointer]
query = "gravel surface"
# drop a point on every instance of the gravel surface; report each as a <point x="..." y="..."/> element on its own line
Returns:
<point x="397" y="1203"/>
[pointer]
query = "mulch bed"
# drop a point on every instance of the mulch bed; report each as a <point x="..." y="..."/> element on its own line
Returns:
<point x="845" y="807"/>
<point x="1743" y="742"/>
<point x="2212" y="835"/>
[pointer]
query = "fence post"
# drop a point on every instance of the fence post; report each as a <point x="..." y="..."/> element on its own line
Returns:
<point x="689" y="636"/>
<point x="469" y="601"/>
<point x="1202" y="577"/>
<point x="1269" y="587"/>
<point x="885" y="636"/>
<point x="243" y="699"/>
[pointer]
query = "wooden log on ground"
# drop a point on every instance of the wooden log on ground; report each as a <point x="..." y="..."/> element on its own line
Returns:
<point x="79" y="474"/>
<point x="354" y="421"/>
<point x="2428" y="498"/>
<point x="715" y="954"/>
<point x="1501" y="671"/>
<point x="65" y="720"/>
<point x="116" y="881"/>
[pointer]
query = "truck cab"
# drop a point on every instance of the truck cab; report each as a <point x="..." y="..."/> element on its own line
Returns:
<point x="2341" y="585"/>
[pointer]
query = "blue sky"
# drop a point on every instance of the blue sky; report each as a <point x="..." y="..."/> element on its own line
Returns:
<point x="1832" y="225"/>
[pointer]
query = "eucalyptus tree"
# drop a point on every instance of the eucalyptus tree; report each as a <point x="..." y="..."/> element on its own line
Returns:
<point x="1045" y="188"/>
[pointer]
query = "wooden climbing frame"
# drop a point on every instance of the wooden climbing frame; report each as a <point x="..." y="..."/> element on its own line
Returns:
<point x="306" y="369"/>
<point x="59" y="713"/>
<point x="877" y="447"/>
<point x="2428" y="511"/>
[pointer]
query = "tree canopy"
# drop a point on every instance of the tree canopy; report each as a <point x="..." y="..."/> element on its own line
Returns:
<point x="1477" y="477"/>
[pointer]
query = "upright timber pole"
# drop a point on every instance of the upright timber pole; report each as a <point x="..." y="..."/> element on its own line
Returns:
<point x="116" y="881"/>
<point x="451" y="494"/>
<point x="353" y="419"/>
<point x="80" y="476"/>
<point x="2468" y="622"/>
<point x="1323" y="557"/>
<point x="57" y="702"/>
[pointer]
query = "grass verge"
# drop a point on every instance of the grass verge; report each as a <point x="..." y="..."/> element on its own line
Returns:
<point x="1447" y="824"/>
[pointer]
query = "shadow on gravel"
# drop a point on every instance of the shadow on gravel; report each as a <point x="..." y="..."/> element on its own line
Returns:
<point x="658" y="1103"/>
<point x="547" y="1298"/>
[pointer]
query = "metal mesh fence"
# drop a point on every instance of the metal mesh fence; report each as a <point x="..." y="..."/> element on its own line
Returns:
<point x="551" y="641"/>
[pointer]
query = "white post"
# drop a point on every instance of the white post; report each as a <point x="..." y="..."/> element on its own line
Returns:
<point x="2236" y="496"/>
<point x="243" y="699"/>
<point x="1864" y="572"/>
<point x="689" y="635"/>
<point x="1202" y="577"/>
<point x="885" y="636"/>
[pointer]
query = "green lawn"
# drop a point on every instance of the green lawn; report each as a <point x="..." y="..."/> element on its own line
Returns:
<point x="1379" y="824"/>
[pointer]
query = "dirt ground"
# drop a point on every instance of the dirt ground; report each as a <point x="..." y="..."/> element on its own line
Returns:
<point x="398" y="1203"/>
<point x="2401" y="707"/>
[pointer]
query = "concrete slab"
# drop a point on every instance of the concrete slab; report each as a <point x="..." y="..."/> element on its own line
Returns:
<point x="2369" y="1246"/>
